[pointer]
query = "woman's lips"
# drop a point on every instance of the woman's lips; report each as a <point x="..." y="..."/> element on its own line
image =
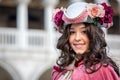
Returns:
<point x="78" y="46"/>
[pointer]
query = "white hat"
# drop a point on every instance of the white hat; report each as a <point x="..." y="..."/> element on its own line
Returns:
<point x="84" y="12"/>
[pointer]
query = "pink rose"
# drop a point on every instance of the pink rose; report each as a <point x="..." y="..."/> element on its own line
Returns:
<point x="55" y="11"/>
<point x="108" y="9"/>
<point x="57" y="17"/>
<point x="108" y="13"/>
<point x="95" y="10"/>
<point x="101" y="11"/>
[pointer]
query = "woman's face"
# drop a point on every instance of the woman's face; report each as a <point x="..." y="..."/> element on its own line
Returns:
<point x="78" y="39"/>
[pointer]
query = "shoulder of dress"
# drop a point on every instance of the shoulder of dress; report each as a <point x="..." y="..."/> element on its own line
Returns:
<point x="108" y="68"/>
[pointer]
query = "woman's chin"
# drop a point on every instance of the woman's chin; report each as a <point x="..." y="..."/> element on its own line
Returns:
<point x="80" y="52"/>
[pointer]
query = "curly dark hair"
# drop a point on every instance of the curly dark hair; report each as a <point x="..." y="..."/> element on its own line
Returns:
<point x="97" y="49"/>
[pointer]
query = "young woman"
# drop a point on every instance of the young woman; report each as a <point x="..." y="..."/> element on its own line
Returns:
<point x="82" y="44"/>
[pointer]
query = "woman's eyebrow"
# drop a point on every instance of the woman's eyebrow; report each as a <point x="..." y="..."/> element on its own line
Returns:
<point x="83" y="27"/>
<point x="71" y="27"/>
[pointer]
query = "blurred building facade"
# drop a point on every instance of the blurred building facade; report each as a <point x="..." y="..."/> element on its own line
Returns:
<point x="27" y="37"/>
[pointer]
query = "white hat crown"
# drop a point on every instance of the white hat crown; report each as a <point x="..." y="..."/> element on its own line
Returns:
<point x="100" y="14"/>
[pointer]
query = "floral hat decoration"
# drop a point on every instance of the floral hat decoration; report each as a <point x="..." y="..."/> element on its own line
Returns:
<point x="100" y="14"/>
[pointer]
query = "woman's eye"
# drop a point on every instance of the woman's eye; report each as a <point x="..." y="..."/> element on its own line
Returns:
<point x="84" y="31"/>
<point x="72" y="32"/>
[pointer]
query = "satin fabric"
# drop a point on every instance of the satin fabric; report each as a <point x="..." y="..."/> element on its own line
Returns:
<point x="79" y="73"/>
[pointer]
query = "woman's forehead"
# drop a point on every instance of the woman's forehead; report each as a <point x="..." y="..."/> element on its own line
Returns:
<point x="80" y="25"/>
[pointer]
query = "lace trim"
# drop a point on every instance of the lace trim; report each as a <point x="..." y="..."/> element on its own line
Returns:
<point x="66" y="76"/>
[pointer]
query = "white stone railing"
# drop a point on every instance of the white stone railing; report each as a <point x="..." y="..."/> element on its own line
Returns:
<point x="9" y="39"/>
<point x="37" y="39"/>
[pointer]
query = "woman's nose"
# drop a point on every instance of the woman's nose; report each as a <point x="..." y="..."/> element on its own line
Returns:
<point x="78" y="37"/>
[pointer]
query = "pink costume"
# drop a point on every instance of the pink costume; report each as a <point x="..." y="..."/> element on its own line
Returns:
<point x="78" y="73"/>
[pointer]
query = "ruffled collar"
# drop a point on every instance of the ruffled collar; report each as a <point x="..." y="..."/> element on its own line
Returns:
<point x="74" y="65"/>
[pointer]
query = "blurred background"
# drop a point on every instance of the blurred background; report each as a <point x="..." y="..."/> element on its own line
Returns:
<point x="28" y="39"/>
